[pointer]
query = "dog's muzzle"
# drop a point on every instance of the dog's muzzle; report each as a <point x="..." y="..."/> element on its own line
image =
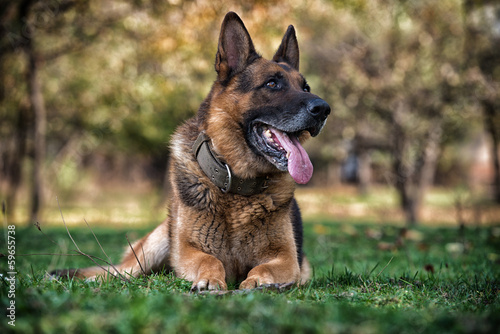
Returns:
<point x="319" y="109"/>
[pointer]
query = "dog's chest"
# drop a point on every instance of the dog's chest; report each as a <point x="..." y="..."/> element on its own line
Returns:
<point x="238" y="231"/>
<point x="233" y="223"/>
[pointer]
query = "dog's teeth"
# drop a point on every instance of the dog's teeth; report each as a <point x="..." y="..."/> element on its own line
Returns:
<point x="288" y="155"/>
<point x="267" y="133"/>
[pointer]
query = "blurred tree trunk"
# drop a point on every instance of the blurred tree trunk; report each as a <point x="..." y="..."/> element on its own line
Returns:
<point x="333" y="174"/>
<point x="364" y="172"/>
<point x="492" y="125"/>
<point x="402" y="175"/>
<point x="430" y="158"/>
<point x="482" y="19"/>
<point x="413" y="176"/>
<point x="40" y="129"/>
<point x="14" y="154"/>
<point x="24" y="22"/>
<point x="14" y="141"/>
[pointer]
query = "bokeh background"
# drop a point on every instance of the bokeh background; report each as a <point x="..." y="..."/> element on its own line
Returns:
<point x="91" y="91"/>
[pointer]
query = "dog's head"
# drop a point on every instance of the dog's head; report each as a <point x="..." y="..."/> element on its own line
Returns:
<point x="259" y="112"/>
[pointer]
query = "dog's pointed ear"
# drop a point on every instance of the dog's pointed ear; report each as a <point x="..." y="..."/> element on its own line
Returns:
<point x="235" y="50"/>
<point x="288" y="52"/>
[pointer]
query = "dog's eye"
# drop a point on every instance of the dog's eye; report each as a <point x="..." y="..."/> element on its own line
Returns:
<point x="306" y="88"/>
<point x="273" y="84"/>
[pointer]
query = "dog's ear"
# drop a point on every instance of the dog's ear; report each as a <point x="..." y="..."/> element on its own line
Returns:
<point x="288" y="52"/>
<point x="235" y="50"/>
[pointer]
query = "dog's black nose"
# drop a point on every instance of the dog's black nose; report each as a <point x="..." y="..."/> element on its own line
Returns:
<point x="318" y="108"/>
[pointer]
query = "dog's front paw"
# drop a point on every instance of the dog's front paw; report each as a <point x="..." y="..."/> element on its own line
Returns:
<point x="203" y="284"/>
<point x="255" y="281"/>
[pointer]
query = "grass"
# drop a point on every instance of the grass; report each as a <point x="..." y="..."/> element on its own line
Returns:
<point x="367" y="279"/>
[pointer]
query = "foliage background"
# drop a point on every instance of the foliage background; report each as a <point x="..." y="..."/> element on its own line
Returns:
<point x="91" y="91"/>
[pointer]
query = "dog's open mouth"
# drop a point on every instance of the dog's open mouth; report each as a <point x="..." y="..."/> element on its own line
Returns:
<point x="284" y="151"/>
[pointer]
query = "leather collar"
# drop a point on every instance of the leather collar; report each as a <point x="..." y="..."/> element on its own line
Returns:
<point x="220" y="173"/>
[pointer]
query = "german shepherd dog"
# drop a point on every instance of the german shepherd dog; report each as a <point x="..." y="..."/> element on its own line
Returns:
<point x="233" y="170"/>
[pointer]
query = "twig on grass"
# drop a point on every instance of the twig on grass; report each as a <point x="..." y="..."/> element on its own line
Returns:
<point x="373" y="269"/>
<point x="402" y="280"/>
<point x="133" y="251"/>
<point x="384" y="267"/>
<point x="37" y="225"/>
<point x="45" y="254"/>
<point x="87" y="255"/>
<point x="102" y="249"/>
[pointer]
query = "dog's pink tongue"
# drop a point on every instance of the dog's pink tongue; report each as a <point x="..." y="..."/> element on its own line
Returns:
<point x="299" y="164"/>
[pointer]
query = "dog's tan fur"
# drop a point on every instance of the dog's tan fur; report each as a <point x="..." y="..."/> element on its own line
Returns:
<point x="211" y="237"/>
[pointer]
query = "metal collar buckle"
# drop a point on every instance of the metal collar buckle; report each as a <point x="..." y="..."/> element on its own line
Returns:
<point x="227" y="185"/>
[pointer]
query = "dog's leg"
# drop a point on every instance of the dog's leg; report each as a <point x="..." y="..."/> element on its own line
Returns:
<point x="204" y="270"/>
<point x="305" y="271"/>
<point x="283" y="269"/>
